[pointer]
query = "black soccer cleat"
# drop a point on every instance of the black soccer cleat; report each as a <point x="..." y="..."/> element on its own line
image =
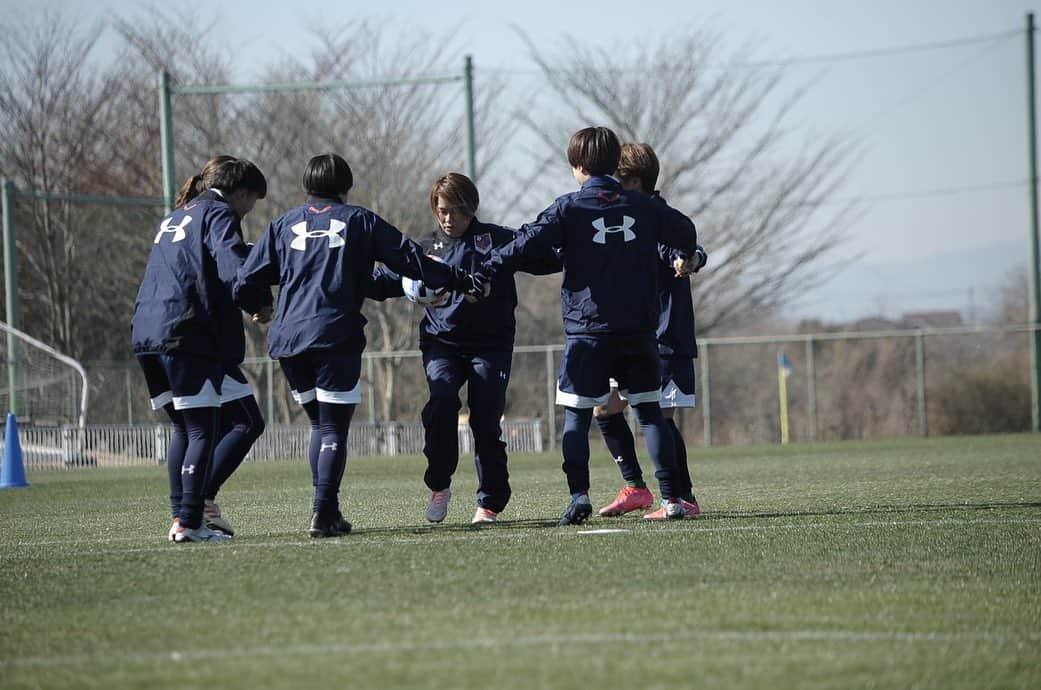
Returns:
<point x="322" y="526"/>
<point x="576" y="513"/>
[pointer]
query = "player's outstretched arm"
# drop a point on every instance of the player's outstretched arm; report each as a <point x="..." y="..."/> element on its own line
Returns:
<point x="677" y="230"/>
<point x="532" y="248"/>
<point x="385" y="284"/>
<point x="258" y="272"/>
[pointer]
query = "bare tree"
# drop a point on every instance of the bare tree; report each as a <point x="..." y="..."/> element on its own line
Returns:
<point x="721" y="128"/>
<point x="1012" y="298"/>
<point x="58" y="125"/>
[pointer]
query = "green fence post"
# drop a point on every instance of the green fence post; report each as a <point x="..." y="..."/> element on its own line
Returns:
<point x="471" y="141"/>
<point x="1035" y="257"/>
<point x="11" y="290"/>
<point x="166" y="139"/>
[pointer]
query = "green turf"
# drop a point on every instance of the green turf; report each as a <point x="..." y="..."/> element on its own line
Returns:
<point x="904" y="564"/>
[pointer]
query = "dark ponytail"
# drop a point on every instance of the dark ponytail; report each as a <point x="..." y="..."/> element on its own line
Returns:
<point x="199" y="183"/>
<point x="191" y="188"/>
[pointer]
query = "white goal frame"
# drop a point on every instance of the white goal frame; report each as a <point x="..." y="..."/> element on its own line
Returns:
<point x="14" y="333"/>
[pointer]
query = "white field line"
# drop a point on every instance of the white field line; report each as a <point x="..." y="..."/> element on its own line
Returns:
<point x="189" y="655"/>
<point x="363" y="540"/>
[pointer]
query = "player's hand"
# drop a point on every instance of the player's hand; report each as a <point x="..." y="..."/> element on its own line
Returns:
<point x="474" y="287"/>
<point x="441" y="297"/>
<point x="263" y="316"/>
<point x="615" y="404"/>
<point x="684" y="267"/>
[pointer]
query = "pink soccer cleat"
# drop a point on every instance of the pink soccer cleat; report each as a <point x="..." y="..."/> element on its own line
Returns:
<point x="670" y="510"/>
<point x="483" y="516"/>
<point x="438" y="508"/>
<point x="690" y="510"/>
<point x="629" y="499"/>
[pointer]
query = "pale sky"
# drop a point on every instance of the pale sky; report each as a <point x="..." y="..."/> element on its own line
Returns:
<point x="944" y="165"/>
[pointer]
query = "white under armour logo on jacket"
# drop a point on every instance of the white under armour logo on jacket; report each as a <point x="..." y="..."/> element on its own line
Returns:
<point x="303" y="234"/>
<point x="602" y="229"/>
<point x="177" y="230"/>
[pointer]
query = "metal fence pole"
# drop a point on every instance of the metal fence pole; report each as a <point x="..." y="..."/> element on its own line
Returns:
<point x="1035" y="251"/>
<point x="269" y="394"/>
<point x="811" y="386"/>
<point x="919" y="370"/>
<point x="130" y="396"/>
<point x="370" y="372"/>
<point x="11" y="290"/>
<point x="471" y="138"/>
<point x="551" y="395"/>
<point x="166" y="139"/>
<point x="706" y="398"/>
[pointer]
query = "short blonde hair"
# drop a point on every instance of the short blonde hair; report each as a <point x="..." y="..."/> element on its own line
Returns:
<point x="638" y="161"/>
<point x="458" y="190"/>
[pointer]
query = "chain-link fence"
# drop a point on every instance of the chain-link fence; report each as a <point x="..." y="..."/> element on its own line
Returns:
<point x="868" y="385"/>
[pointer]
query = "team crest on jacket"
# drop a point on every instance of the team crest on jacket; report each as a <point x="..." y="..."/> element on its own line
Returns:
<point x="483" y="243"/>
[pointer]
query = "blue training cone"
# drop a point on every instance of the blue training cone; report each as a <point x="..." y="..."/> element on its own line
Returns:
<point x="12" y="473"/>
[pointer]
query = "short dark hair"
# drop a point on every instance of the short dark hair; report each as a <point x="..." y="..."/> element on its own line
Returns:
<point x="458" y="190"/>
<point x="594" y="149"/>
<point x="638" y="161"/>
<point x="234" y="174"/>
<point x="328" y="175"/>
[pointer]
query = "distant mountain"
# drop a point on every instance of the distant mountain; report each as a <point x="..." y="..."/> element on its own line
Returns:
<point x="966" y="280"/>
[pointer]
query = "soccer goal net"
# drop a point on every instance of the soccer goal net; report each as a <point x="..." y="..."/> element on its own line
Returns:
<point x="40" y="385"/>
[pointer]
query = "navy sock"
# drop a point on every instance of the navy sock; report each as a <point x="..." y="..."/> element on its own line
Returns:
<point x="575" y="447"/>
<point x="175" y="457"/>
<point x="659" y="446"/>
<point x="620" y="443"/>
<point x="315" y="442"/>
<point x="201" y="424"/>
<point x="241" y="425"/>
<point x="684" y="486"/>
<point x="334" y="423"/>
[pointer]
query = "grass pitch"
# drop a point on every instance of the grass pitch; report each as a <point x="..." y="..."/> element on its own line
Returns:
<point x="913" y="563"/>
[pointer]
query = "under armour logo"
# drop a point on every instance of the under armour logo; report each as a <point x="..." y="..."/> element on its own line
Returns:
<point x="328" y="446"/>
<point x="177" y="230"/>
<point x="439" y="245"/>
<point x="626" y="228"/>
<point x="303" y="234"/>
<point x="502" y="375"/>
<point x="187" y="469"/>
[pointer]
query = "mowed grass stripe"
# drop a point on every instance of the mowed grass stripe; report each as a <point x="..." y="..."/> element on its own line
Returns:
<point x="499" y="532"/>
<point x="180" y="656"/>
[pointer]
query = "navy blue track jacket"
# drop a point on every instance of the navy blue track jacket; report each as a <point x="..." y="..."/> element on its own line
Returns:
<point x="478" y="326"/>
<point x="676" y="316"/>
<point x="184" y="304"/>
<point x="322" y="255"/>
<point x="609" y="240"/>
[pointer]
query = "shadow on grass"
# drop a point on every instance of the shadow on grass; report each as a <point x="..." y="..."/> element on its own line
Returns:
<point x="633" y="519"/>
<point x="466" y="528"/>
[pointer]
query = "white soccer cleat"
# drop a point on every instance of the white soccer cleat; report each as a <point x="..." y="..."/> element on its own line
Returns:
<point x="483" y="516"/>
<point x="173" y="528"/>
<point x="437" y="511"/>
<point x="211" y="515"/>
<point x="203" y="533"/>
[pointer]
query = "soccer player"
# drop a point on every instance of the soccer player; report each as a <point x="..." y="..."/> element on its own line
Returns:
<point x="465" y="341"/>
<point x="638" y="171"/>
<point x="321" y="254"/>
<point x="185" y="324"/>
<point x="241" y="423"/>
<point x="609" y="238"/>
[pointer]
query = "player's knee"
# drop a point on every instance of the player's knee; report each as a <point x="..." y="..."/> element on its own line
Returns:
<point x="256" y="428"/>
